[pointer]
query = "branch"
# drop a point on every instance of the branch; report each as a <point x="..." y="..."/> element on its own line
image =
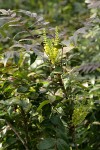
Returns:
<point x="17" y="134"/>
<point x="25" y="125"/>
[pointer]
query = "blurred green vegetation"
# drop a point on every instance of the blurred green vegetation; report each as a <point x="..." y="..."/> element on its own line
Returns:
<point x="49" y="81"/>
<point x="66" y="13"/>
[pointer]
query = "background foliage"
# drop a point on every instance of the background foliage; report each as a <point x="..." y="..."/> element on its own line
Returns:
<point x="49" y="76"/>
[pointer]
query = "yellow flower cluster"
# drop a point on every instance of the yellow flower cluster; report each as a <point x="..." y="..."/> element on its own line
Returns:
<point x="79" y="114"/>
<point x="50" y="46"/>
<point x="81" y="110"/>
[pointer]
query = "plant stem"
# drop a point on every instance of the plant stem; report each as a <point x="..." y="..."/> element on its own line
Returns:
<point x="62" y="85"/>
<point x="27" y="138"/>
<point x="17" y="134"/>
<point x="72" y="128"/>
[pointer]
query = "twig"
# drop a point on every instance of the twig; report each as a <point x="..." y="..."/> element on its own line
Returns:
<point x="17" y="134"/>
<point x="73" y="137"/>
<point x="25" y="125"/>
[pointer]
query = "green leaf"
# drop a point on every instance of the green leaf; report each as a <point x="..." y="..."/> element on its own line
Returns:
<point x="62" y="145"/>
<point x="22" y="89"/>
<point x="43" y="104"/>
<point x="16" y="57"/>
<point x="61" y="134"/>
<point x="46" y="111"/>
<point x="46" y="144"/>
<point x="56" y="121"/>
<point x="33" y="57"/>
